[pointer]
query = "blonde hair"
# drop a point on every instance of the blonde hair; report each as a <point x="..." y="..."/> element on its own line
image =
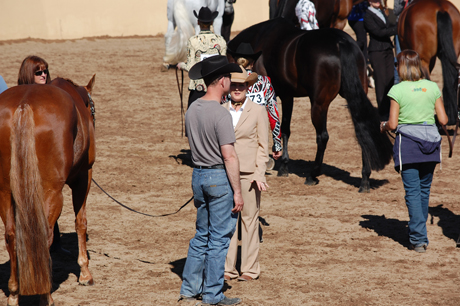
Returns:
<point x="409" y="66"/>
<point x="244" y="61"/>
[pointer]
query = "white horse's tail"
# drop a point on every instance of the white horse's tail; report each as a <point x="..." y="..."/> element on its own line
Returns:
<point x="176" y="43"/>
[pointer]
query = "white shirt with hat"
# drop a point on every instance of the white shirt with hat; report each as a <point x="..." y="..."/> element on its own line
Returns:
<point x="236" y="114"/>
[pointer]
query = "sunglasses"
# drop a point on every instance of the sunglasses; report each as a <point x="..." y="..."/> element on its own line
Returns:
<point x="396" y="64"/>
<point x="40" y="72"/>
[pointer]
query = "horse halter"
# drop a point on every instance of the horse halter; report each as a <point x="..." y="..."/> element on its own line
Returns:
<point x="93" y="109"/>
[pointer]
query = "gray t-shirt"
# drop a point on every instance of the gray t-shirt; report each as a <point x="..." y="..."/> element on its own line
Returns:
<point x="208" y="126"/>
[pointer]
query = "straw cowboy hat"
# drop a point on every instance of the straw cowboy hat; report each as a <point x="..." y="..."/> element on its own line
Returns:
<point x="205" y="15"/>
<point x="244" y="50"/>
<point x="243" y="77"/>
<point x="212" y="66"/>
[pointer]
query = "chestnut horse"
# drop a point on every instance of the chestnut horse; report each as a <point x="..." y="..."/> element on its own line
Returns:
<point x="46" y="141"/>
<point x="329" y="13"/>
<point x="432" y="28"/>
<point x="319" y="64"/>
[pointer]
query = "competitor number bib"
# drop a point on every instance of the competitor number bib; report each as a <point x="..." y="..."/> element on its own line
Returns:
<point x="257" y="97"/>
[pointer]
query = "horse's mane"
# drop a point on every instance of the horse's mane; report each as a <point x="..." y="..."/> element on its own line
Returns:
<point x="67" y="80"/>
<point x="71" y="82"/>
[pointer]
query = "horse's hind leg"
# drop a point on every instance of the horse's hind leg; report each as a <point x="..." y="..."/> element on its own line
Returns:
<point x="80" y="189"/>
<point x="54" y="200"/>
<point x="7" y="214"/>
<point x="46" y="300"/>
<point x="319" y="120"/>
<point x="365" y="174"/>
<point x="287" y="105"/>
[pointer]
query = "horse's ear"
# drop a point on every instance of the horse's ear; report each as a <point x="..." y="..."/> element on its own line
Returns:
<point x="89" y="87"/>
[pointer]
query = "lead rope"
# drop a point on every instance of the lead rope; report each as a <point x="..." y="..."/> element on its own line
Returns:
<point x="93" y="113"/>
<point x="181" y="94"/>
<point x="138" y="212"/>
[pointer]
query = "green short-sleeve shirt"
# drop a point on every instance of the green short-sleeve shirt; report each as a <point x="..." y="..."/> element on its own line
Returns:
<point x="416" y="101"/>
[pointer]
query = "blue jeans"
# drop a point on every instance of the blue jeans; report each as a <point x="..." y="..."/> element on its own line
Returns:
<point x="417" y="183"/>
<point x="215" y="224"/>
<point x="398" y="50"/>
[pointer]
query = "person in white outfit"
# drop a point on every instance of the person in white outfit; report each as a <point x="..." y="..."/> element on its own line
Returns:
<point x="306" y="12"/>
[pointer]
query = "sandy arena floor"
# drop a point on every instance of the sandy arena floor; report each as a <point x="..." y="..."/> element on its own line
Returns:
<point x="325" y="245"/>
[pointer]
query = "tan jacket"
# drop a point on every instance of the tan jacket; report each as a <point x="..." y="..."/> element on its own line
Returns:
<point x="251" y="134"/>
<point x="199" y="46"/>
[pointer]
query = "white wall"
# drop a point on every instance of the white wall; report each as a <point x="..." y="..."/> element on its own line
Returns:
<point x="66" y="19"/>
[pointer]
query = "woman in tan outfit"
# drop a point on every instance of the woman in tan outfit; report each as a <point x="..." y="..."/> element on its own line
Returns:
<point x="251" y="126"/>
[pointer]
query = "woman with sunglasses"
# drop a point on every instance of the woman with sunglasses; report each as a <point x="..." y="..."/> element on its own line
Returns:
<point x="34" y="70"/>
<point x="417" y="147"/>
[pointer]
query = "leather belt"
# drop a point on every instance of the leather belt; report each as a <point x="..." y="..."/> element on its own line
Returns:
<point x="221" y="166"/>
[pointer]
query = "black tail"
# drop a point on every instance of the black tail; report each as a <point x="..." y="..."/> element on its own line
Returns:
<point x="448" y="57"/>
<point x="376" y="147"/>
<point x="280" y="8"/>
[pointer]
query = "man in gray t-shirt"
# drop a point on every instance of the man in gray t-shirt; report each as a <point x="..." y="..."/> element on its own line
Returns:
<point x="208" y="127"/>
<point x="215" y="182"/>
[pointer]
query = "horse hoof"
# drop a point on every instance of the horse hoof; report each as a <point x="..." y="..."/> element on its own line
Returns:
<point x="364" y="189"/>
<point x="13" y="301"/>
<point x="164" y="67"/>
<point x="311" y="181"/>
<point x="283" y="174"/>
<point x="89" y="282"/>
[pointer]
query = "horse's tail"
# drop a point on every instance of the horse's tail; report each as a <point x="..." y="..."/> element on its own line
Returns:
<point x="34" y="262"/>
<point x="176" y="43"/>
<point x="280" y="8"/>
<point x="376" y="147"/>
<point x="449" y="64"/>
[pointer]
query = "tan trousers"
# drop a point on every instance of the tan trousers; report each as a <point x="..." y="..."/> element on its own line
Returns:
<point x="249" y="233"/>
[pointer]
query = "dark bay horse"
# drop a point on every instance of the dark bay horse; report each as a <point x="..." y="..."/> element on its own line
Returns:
<point x="319" y="64"/>
<point x="46" y="141"/>
<point x="329" y="13"/>
<point x="432" y="28"/>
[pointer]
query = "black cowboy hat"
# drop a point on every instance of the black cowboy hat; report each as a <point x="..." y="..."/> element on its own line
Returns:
<point x="212" y="66"/>
<point x="245" y="50"/>
<point x="205" y="15"/>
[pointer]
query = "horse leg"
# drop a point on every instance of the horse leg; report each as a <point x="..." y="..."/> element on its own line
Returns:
<point x="46" y="300"/>
<point x="365" y="174"/>
<point x="217" y="25"/>
<point x="287" y="105"/>
<point x="171" y="23"/>
<point x="10" y="240"/>
<point x="319" y="120"/>
<point x="80" y="189"/>
<point x="54" y="201"/>
<point x="427" y="67"/>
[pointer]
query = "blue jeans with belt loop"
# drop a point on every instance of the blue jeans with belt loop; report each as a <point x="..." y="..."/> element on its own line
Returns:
<point x="417" y="180"/>
<point x="215" y="224"/>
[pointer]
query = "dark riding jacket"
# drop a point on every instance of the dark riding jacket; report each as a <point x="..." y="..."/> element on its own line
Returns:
<point x="379" y="32"/>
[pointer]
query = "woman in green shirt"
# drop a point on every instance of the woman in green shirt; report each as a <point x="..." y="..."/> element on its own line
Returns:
<point x="417" y="146"/>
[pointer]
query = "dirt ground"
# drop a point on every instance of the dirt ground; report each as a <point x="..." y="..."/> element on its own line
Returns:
<point x="324" y="245"/>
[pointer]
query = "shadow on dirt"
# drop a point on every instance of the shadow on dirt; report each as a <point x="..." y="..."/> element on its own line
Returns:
<point x="184" y="158"/>
<point x="301" y="168"/>
<point x="177" y="267"/>
<point x="448" y="221"/>
<point x="391" y="228"/>
<point x="63" y="266"/>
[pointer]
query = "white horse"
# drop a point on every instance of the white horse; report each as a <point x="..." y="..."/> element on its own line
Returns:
<point x="182" y="24"/>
